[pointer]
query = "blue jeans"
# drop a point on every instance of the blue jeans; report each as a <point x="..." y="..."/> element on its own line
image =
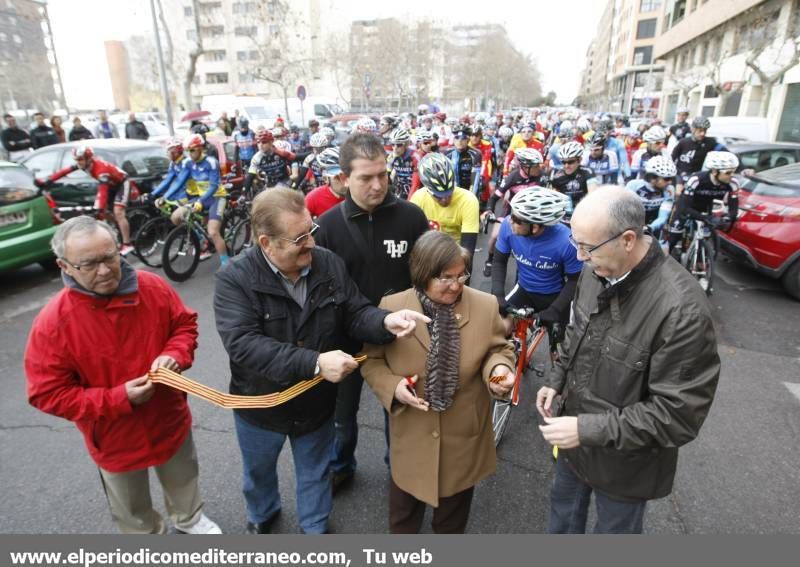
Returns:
<point x="348" y="397"/>
<point x="569" y="506"/>
<point x="260" y="449"/>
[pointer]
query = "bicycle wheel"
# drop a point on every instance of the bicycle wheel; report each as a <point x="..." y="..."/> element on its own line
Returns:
<point x="137" y="218"/>
<point x="149" y="242"/>
<point x="501" y="413"/>
<point x="708" y="253"/>
<point x="238" y="238"/>
<point x="181" y="254"/>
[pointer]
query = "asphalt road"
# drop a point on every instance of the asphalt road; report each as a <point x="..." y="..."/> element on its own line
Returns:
<point x="740" y="475"/>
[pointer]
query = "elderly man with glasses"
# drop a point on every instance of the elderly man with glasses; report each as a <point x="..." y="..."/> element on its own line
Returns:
<point x="285" y="311"/>
<point x="637" y="371"/>
<point x="87" y="360"/>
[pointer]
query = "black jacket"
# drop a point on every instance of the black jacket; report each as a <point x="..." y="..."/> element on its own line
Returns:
<point x="136" y="130"/>
<point x="42" y="136"/>
<point x="21" y="139"/>
<point x="80" y="133"/>
<point x="273" y="343"/>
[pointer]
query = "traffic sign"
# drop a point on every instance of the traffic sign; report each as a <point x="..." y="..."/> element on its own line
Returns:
<point x="301" y="92"/>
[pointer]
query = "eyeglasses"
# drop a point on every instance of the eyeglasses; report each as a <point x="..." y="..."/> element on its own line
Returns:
<point x="448" y="281"/>
<point x="300" y="240"/>
<point x="90" y="266"/>
<point x="588" y="249"/>
<point x="569" y="161"/>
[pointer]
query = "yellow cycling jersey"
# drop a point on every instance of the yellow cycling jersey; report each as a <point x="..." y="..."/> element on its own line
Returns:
<point x="459" y="216"/>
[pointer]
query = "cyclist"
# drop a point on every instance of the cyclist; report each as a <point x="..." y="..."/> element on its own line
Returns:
<point x="245" y="147"/>
<point x="574" y="180"/>
<point x="425" y="143"/>
<point x="311" y="169"/>
<point x="547" y="263"/>
<point x="466" y="161"/>
<point x="656" y="191"/>
<point x="334" y="191"/>
<point x="681" y="129"/>
<point x="656" y="139"/>
<point x="603" y="161"/>
<point x="448" y="208"/>
<point x="365" y="125"/>
<point x="527" y="137"/>
<point x="176" y="157"/>
<point x="401" y="163"/>
<point x="689" y="154"/>
<point x="270" y="164"/>
<point x="113" y="189"/>
<point x="200" y="179"/>
<point x="716" y="181"/>
<point x="488" y="160"/>
<point x="387" y="125"/>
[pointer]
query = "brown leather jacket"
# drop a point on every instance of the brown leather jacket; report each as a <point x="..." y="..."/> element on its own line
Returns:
<point x="639" y="367"/>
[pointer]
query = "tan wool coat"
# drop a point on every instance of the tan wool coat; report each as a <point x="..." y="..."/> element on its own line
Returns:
<point x="438" y="454"/>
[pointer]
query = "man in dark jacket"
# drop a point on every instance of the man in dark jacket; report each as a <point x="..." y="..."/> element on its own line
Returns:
<point x="79" y="131"/>
<point x="135" y="129"/>
<point x="637" y="373"/>
<point x="373" y="232"/>
<point x="42" y="135"/>
<point x="283" y="310"/>
<point x="16" y="141"/>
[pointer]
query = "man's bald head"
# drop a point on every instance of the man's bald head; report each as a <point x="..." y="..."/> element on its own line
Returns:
<point x="613" y="208"/>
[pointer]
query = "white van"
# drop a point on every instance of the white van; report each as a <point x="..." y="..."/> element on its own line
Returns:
<point x="740" y="128"/>
<point x="259" y="111"/>
<point x="322" y="109"/>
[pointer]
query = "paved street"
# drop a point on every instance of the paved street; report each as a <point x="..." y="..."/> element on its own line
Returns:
<point x="740" y="476"/>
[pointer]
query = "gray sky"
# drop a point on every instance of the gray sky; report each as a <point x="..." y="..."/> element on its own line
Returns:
<point x="536" y="27"/>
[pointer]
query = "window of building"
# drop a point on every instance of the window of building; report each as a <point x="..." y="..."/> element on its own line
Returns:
<point x="649" y="5"/>
<point x="212" y="31"/>
<point x="187" y="11"/>
<point x="710" y="92"/>
<point x="643" y="55"/>
<point x="245" y="77"/>
<point x="732" y="104"/>
<point x="191" y="35"/>
<point x="702" y="55"/>
<point x="244" y="7"/>
<point x="215" y="55"/>
<point x="714" y="47"/>
<point x="646" y="28"/>
<point x="245" y="31"/>
<point x="216" y="78"/>
<point x="207" y="7"/>
<point x="678" y="11"/>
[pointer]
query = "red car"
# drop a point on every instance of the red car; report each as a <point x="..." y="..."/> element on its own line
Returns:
<point x="767" y="232"/>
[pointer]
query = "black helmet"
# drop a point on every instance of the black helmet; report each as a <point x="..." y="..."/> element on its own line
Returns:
<point x="598" y="139"/>
<point x="701" y="122"/>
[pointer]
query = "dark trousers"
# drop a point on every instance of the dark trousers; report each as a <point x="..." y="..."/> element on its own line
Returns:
<point x="569" y="507"/>
<point x="406" y="512"/>
<point x="348" y="396"/>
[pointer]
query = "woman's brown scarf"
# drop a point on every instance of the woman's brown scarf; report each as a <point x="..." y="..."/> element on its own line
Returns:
<point x="441" y="366"/>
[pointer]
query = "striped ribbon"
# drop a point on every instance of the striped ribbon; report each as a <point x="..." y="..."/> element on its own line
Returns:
<point x="233" y="401"/>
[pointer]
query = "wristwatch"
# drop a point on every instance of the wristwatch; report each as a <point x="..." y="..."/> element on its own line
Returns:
<point x="317" y="369"/>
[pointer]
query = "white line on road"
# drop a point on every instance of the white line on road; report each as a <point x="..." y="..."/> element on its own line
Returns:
<point x="24" y="308"/>
<point x="793" y="388"/>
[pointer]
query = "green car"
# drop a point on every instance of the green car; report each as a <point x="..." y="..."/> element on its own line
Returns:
<point x="27" y="220"/>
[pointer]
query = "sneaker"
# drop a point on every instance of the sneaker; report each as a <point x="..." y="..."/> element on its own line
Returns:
<point x="203" y="526"/>
<point x="125" y="249"/>
<point x="487" y="269"/>
<point x="341" y="480"/>
<point x="205" y="255"/>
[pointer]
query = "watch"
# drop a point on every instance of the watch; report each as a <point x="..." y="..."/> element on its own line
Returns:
<point x="317" y="369"/>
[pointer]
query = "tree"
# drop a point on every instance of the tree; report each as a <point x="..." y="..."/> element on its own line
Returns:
<point x="194" y="54"/>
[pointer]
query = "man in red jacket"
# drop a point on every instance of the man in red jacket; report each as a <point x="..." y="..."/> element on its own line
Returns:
<point x="87" y="359"/>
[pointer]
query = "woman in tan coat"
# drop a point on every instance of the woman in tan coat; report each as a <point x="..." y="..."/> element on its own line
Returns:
<point x="441" y="428"/>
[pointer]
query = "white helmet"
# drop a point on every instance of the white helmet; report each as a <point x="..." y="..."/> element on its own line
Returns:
<point x="529" y="157"/>
<point x="583" y="124"/>
<point x="570" y="150"/>
<point x="661" y="166"/>
<point x="654" y="134"/>
<point x="565" y="128"/>
<point x="424" y="136"/>
<point x="682" y="110"/>
<point x="721" y="160"/>
<point x="538" y="205"/>
<point x="401" y="136"/>
<point x="365" y="125"/>
<point x="328" y="132"/>
<point x="318" y="140"/>
<point x="284" y="145"/>
<point x="505" y="132"/>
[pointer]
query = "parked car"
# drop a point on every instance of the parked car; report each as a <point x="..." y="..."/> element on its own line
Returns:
<point x="766" y="234"/>
<point x="760" y="156"/>
<point x="145" y="162"/>
<point x="27" y="220"/>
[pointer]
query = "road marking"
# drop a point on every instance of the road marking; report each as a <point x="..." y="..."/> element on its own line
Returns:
<point x="793" y="388"/>
<point x="24" y="308"/>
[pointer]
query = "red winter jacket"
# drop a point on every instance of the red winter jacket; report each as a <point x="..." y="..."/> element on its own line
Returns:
<point x="83" y="348"/>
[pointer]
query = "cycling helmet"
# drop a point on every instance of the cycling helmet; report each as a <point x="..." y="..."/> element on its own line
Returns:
<point x="424" y="136"/>
<point x="460" y="132"/>
<point x="194" y="141"/>
<point x="436" y="174"/>
<point x="601" y="128"/>
<point x="284" y="145"/>
<point x="175" y="147"/>
<point x="583" y="124"/>
<point x="661" y="166"/>
<point x="200" y="128"/>
<point x="265" y="136"/>
<point x="422" y="109"/>
<point x="451" y="121"/>
<point x="390" y="120"/>
<point x="654" y="134"/>
<point x="328" y="160"/>
<point x="701" y="122"/>
<point x="328" y="132"/>
<point x="243" y="122"/>
<point x="82" y="151"/>
<point x="721" y="160"/>
<point x="528" y="157"/>
<point x="440" y="116"/>
<point x="475" y="130"/>
<point x="365" y="125"/>
<point x="598" y="140"/>
<point x="401" y="136"/>
<point x="538" y="205"/>
<point x="505" y="132"/>
<point x="570" y="150"/>
<point x="318" y="140"/>
<point x="682" y="110"/>
<point x="565" y="129"/>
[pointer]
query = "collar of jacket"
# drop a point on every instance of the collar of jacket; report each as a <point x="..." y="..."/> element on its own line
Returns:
<point x="353" y="210"/>
<point x="265" y="280"/>
<point x="421" y="332"/>
<point x="126" y="294"/>
<point x="642" y="270"/>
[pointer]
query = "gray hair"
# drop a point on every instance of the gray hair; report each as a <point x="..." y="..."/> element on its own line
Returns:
<point x="77" y="225"/>
<point x="626" y="212"/>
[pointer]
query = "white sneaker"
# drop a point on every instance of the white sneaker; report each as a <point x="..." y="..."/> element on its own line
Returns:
<point x="203" y="526"/>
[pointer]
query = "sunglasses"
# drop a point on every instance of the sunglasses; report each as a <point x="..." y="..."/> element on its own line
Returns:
<point x="300" y="240"/>
<point x="569" y="161"/>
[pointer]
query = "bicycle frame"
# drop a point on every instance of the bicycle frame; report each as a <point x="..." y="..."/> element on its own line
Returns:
<point x="526" y="351"/>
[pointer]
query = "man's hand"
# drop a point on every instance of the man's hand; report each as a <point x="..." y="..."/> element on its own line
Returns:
<point x="544" y="401"/>
<point x="402" y="323"/>
<point x="404" y="393"/>
<point x="503" y="388"/>
<point x="165" y="361"/>
<point x="561" y="431"/>
<point x="139" y="390"/>
<point x="335" y="365"/>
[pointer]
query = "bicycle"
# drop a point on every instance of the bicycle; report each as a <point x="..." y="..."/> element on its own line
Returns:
<point x="149" y="242"/>
<point x="699" y="256"/>
<point x="527" y="337"/>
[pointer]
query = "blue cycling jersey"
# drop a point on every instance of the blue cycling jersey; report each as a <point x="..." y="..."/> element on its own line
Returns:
<point x="198" y="179"/>
<point x="657" y="204"/>
<point x="246" y="143"/>
<point x="172" y="174"/>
